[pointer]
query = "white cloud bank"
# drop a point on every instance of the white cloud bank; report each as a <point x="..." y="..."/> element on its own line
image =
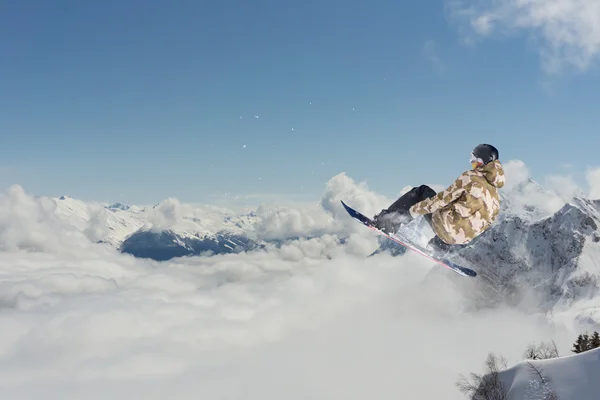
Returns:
<point x="255" y="326"/>
<point x="312" y="319"/>
<point x="566" y="33"/>
<point x="326" y="217"/>
<point x="30" y="225"/>
<point x="593" y="180"/>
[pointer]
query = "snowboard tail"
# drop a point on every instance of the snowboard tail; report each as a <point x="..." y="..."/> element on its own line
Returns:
<point x="368" y="222"/>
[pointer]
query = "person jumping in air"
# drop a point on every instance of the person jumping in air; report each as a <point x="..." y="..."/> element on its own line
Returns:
<point x="458" y="214"/>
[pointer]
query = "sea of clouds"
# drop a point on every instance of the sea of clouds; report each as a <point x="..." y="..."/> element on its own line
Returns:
<point x="313" y="318"/>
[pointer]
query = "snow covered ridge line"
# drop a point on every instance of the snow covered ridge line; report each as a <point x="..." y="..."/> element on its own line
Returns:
<point x="160" y="232"/>
<point x="543" y="374"/>
<point x="557" y="256"/>
<point x="172" y="229"/>
<point x="554" y="377"/>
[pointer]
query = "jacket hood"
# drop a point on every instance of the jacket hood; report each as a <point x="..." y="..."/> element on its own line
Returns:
<point x="494" y="173"/>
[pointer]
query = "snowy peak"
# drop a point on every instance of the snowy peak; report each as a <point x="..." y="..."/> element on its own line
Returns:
<point x="591" y="207"/>
<point x="529" y="200"/>
<point x="97" y="222"/>
<point x="167" y="230"/>
<point x="570" y="220"/>
<point x="176" y="231"/>
<point x="118" y="206"/>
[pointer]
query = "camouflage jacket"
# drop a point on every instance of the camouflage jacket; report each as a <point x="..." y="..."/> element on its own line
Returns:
<point x="467" y="207"/>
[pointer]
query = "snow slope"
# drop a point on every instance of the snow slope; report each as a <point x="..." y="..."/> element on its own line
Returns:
<point x="571" y="377"/>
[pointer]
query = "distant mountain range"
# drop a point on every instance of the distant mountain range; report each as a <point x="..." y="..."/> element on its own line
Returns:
<point x="134" y="230"/>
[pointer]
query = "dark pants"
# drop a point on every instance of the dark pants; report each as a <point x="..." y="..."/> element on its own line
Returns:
<point x="409" y="199"/>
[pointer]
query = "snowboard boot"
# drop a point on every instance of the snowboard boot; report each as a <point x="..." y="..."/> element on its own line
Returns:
<point x="439" y="247"/>
<point x="390" y="221"/>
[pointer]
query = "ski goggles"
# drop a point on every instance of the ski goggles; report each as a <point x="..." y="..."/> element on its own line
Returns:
<point x="475" y="161"/>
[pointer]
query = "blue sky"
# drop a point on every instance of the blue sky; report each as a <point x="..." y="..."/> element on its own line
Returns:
<point x="137" y="101"/>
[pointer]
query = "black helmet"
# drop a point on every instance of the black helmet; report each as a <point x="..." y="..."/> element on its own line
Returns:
<point x="484" y="153"/>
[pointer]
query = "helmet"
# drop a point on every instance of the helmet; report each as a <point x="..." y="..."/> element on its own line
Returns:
<point x="483" y="154"/>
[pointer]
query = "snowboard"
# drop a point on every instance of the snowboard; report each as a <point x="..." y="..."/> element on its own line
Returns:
<point x="407" y="243"/>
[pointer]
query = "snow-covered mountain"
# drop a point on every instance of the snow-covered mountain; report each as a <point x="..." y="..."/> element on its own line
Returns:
<point x="160" y="232"/>
<point x="543" y="253"/>
<point x="101" y="223"/>
<point x="569" y="377"/>
<point x="174" y="230"/>
<point x="166" y="244"/>
<point x="558" y="255"/>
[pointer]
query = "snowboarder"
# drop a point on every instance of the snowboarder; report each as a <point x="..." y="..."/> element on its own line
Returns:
<point x="458" y="214"/>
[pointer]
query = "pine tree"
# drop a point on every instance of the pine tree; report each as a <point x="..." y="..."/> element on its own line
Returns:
<point x="579" y="345"/>
<point x="586" y="342"/>
<point x="595" y="340"/>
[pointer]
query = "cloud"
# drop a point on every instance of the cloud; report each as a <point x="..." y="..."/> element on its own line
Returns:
<point x="522" y="192"/>
<point x="566" y="33"/>
<point x="285" y="222"/>
<point x="325" y="221"/>
<point x="345" y="326"/>
<point x="564" y="186"/>
<point x="30" y="225"/>
<point x="97" y="227"/>
<point x="430" y="53"/>
<point x="168" y="214"/>
<point x="172" y="214"/>
<point x="593" y="180"/>
<point x="517" y="174"/>
<point x="357" y="195"/>
<point x="324" y="217"/>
